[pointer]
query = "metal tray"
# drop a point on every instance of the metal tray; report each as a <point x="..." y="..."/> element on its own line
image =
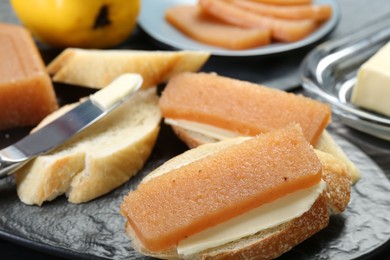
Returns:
<point x="329" y="73"/>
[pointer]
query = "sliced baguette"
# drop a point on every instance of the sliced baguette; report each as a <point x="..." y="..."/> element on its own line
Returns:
<point x="97" y="68"/>
<point x="336" y="175"/>
<point x="272" y="242"/>
<point x="99" y="159"/>
<point x="327" y="144"/>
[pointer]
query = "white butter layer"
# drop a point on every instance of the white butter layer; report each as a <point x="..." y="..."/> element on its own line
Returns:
<point x="205" y="129"/>
<point x="267" y="216"/>
<point x="372" y="89"/>
<point x="117" y="89"/>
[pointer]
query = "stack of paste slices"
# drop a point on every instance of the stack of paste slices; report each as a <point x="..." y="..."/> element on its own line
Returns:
<point x="262" y="176"/>
<point x="26" y="91"/>
<point x="243" y="24"/>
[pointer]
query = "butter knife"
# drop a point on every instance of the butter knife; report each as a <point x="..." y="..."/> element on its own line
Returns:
<point x="71" y="123"/>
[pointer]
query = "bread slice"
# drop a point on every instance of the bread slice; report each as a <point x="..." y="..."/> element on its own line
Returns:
<point x="97" y="68"/>
<point x="335" y="173"/>
<point x="327" y="144"/>
<point x="99" y="159"/>
<point x="272" y="242"/>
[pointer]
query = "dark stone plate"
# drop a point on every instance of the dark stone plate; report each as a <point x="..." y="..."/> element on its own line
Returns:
<point x="96" y="229"/>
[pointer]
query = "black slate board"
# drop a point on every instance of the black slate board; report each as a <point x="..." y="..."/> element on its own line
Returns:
<point x="96" y="229"/>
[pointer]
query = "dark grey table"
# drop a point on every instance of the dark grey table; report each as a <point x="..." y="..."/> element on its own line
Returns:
<point x="280" y="71"/>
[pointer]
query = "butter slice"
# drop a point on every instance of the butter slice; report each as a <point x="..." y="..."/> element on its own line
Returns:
<point x="117" y="89"/>
<point x="372" y="90"/>
<point x="208" y="130"/>
<point x="266" y="216"/>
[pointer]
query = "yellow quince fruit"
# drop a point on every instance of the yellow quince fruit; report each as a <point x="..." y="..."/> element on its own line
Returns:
<point x="79" y="23"/>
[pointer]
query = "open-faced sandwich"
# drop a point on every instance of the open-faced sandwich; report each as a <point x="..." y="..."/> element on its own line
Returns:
<point x="206" y="107"/>
<point x="263" y="174"/>
<point x="241" y="198"/>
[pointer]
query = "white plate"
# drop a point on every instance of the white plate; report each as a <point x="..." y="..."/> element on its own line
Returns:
<point x="152" y="21"/>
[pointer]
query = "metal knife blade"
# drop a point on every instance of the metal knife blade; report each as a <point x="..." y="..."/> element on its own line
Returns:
<point x="71" y="123"/>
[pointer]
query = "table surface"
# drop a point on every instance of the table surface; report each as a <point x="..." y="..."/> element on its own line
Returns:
<point x="265" y="70"/>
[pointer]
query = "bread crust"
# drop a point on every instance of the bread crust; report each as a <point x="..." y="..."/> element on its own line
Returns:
<point x="335" y="174"/>
<point x="97" y="160"/>
<point x="120" y="166"/>
<point x="190" y="138"/>
<point x="97" y="68"/>
<point x="327" y="144"/>
<point x="285" y="237"/>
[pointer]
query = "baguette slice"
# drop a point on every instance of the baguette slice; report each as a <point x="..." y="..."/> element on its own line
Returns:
<point x="265" y="244"/>
<point x="99" y="159"/>
<point x="327" y="144"/>
<point x="97" y="68"/>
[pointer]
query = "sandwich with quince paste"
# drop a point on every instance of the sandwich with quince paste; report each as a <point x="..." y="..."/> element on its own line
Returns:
<point x="206" y="107"/>
<point x="240" y="198"/>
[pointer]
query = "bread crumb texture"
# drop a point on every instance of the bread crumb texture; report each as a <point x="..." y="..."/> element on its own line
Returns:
<point x="97" y="68"/>
<point x="97" y="160"/>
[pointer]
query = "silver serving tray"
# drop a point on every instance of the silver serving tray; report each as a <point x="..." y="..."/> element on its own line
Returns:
<point x="329" y="73"/>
